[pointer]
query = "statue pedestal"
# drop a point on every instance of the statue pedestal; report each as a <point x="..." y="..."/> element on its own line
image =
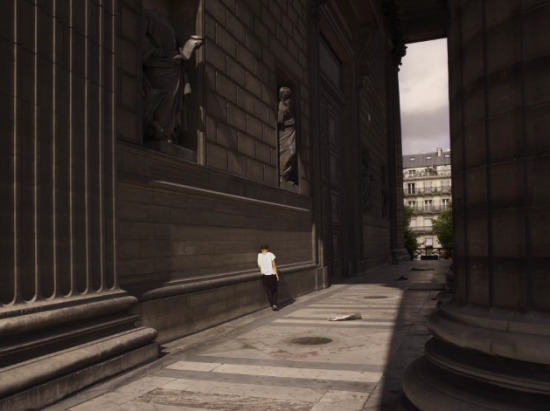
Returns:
<point x="173" y="149"/>
<point x="288" y="185"/>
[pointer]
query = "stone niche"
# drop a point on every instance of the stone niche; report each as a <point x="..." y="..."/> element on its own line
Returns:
<point x="171" y="119"/>
<point x="288" y="131"/>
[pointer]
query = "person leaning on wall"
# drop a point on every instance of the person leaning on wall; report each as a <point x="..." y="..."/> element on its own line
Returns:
<point x="270" y="277"/>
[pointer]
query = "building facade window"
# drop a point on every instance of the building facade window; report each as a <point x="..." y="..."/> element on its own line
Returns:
<point x="431" y="194"/>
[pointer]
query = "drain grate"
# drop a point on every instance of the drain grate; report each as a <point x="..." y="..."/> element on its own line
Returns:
<point x="311" y="340"/>
<point x="376" y="297"/>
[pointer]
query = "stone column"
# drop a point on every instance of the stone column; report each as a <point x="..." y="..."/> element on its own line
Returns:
<point x="319" y="233"/>
<point x="491" y="338"/>
<point x="397" y="234"/>
<point x="58" y="281"/>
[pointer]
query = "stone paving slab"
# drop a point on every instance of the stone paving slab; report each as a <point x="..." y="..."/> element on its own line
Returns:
<point x="254" y="363"/>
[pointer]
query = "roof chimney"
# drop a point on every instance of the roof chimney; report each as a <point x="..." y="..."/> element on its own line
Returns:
<point x="439" y="151"/>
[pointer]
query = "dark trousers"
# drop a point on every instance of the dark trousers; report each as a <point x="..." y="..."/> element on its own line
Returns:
<point x="270" y="285"/>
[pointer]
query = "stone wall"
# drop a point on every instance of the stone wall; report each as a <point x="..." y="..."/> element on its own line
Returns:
<point x="191" y="224"/>
<point x="196" y="223"/>
<point x="252" y="48"/>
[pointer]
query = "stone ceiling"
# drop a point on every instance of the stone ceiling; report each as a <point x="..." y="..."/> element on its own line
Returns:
<point x="420" y="20"/>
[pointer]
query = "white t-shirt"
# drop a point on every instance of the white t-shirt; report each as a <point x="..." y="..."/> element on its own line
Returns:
<point x="264" y="261"/>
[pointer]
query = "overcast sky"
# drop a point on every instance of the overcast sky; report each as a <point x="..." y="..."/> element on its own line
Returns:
<point x="423" y="84"/>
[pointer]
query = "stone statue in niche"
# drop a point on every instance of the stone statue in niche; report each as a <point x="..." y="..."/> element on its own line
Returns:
<point x="367" y="180"/>
<point x="165" y="82"/>
<point x="286" y="122"/>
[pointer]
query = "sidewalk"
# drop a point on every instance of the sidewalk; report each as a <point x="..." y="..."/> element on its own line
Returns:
<point x="256" y="363"/>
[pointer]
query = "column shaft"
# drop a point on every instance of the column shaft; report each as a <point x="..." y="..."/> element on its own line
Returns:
<point x="57" y="150"/>
<point x="488" y="346"/>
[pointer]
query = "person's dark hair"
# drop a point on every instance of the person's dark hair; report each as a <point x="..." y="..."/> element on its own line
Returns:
<point x="264" y="247"/>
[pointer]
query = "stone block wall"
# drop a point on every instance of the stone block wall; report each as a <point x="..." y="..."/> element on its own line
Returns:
<point x="184" y="223"/>
<point x="186" y="226"/>
<point x="251" y="49"/>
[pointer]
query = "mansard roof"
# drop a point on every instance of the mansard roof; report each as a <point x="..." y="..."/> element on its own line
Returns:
<point x="426" y="159"/>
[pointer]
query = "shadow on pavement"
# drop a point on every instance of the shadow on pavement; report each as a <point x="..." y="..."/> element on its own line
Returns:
<point x="420" y="282"/>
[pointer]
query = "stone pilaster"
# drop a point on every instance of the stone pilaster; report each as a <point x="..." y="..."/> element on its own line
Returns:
<point x="397" y="234"/>
<point x="61" y="310"/>
<point x="395" y="155"/>
<point x="489" y="346"/>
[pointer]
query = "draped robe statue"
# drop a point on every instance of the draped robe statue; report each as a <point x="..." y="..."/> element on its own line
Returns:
<point x="288" y="170"/>
<point x="165" y="81"/>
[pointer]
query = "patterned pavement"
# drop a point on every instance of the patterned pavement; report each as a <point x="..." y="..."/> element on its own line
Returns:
<point x="256" y="363"/>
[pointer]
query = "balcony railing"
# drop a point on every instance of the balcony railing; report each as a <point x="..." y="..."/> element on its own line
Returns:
<point x="427" y="191"/>
<point x="429" y="209"/>
<point x="426" y="174"/>
<point x="422" y="229"/>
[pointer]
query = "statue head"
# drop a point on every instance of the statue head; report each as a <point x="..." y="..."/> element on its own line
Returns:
<point x="284" y="93"/>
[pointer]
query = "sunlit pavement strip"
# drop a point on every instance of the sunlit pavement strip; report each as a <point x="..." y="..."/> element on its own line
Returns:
<point x="351" y="323"/>
<point x="284" y="372"/>
<point x="253" y="365"/>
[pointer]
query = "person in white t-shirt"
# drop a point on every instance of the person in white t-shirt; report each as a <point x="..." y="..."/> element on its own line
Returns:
<point x="270" y="277"/>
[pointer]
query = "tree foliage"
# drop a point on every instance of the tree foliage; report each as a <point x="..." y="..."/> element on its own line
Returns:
<point x="410" y="236"/>
<point x="442" y="227"/>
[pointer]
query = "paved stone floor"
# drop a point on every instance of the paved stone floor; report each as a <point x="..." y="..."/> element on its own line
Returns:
<point x="254" y="363"/>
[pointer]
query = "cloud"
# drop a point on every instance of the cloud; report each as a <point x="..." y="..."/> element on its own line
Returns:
<point x="425" y="131"/>
<point x="424" y="95"/>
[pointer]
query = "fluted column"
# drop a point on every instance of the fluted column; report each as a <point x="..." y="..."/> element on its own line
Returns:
<point x="57" y="191"/>
<point x="490" y="345"/>
<point x="57" y="178"/>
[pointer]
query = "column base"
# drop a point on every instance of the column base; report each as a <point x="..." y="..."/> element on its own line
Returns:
<point x="429" y="387"/>
<point x="51" y="349"/>
<point x="45" y="380"/>
<point x="482" y="359"/>
<point x="399" y="254"/>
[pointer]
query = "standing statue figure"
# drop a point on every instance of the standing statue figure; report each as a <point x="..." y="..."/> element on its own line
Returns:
<point x="165" y="81"/>
<point x="288" y="163"/>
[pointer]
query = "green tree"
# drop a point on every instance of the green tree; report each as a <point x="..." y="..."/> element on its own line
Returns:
<point x="410" y="236"/>
<point x="443" y="228"/>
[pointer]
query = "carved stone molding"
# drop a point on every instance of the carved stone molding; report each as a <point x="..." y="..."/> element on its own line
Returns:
<point x="399" y="49"/>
